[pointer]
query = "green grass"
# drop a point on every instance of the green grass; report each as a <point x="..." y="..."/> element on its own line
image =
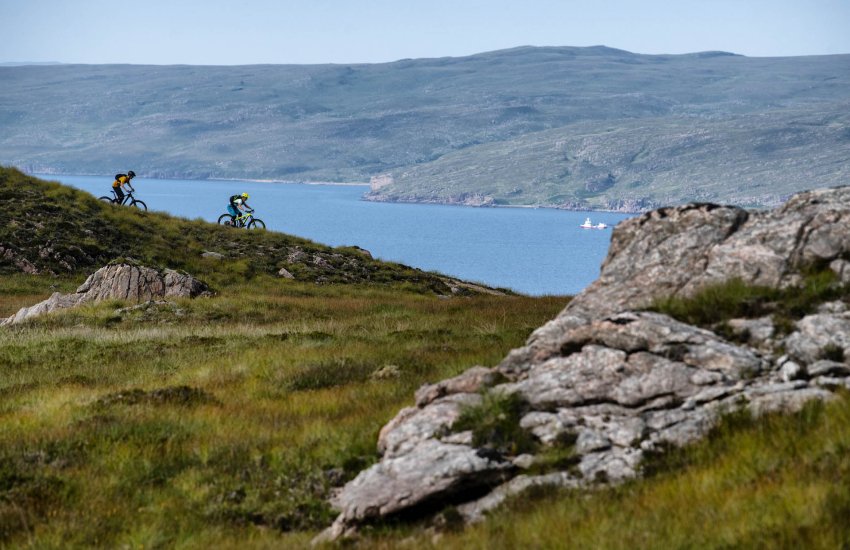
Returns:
<point x="495" y="424"/>
<point x="712" y="306"/>
<point x="227" y="421"/>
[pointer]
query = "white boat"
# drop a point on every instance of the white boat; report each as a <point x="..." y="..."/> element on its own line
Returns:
<point x="586" y="224"/>
<point x="600" y="225"/>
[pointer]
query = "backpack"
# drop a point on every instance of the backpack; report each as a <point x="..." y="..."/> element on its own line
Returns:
<point x="120" y="176"/>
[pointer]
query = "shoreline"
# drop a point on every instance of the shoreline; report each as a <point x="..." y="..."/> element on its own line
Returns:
<point x="355" y="184"/>
<point x="528" y="206"/>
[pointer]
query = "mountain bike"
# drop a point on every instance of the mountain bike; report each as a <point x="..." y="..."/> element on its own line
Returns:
<point x="129" y="200"/>
<point x="246" y="220"/>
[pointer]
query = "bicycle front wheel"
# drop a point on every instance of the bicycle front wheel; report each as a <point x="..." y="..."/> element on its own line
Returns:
<point x="256" y="224"/>
<point x="139" y="204"/>
<point x="225" y="219"/>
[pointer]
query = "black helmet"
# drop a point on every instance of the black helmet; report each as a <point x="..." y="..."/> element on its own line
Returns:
<point x="131" y="174"/>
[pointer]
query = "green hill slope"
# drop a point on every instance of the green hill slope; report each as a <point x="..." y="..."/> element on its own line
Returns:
<point x="51" y="228"/>
<point x="635" y="164"/>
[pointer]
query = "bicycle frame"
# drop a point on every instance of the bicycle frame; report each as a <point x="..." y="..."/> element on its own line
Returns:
<point x="127" y="196"/>
<point x="244" y="218"/>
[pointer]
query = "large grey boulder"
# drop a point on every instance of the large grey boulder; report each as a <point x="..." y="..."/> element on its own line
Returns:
<point x="614" y="382"/>
<point x="123" y="281"/>
<point x="678" y="251"/>
<point x="618" y="387"/>
<point x="433" y="471"/>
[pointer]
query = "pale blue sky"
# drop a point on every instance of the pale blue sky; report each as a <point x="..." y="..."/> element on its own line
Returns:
<point x="336" y="31"/>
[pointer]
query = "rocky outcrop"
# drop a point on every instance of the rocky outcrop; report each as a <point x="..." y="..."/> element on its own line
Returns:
<point x="608" y="382"/>
<point x="123" y="281"/>
<point x="376" y="183"/>
<point x="677" y="251"/>
<point x="617" y="388"/>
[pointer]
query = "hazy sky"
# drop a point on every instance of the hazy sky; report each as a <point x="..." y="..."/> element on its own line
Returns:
<point x="338" y="31"/>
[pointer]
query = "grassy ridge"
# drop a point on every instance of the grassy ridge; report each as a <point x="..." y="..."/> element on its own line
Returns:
<point x="642" y="163"/>
<point x="57" y="229"/>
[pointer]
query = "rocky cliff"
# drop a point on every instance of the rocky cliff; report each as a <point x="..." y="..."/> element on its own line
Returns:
<point x="606" y="381"/>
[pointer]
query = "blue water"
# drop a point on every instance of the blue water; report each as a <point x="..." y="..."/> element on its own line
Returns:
<point x="533" y="251"/>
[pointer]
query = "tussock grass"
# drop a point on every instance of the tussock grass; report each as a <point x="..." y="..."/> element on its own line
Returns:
<point x="495" y="424"/>
<point x="715" y="304"/>
<point x="222" y="421"/>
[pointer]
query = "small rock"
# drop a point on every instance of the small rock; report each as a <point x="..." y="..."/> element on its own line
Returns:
<point x="212" y="255"/>
<point x="460" y="438"/>
<point x="829" y="382"/>
<point x="842" y="269"/>
<point x="385" y="372"/>
<point x="825" y="367"/>
<point x="756" y="330"/>
<point x="833" y="307"/>
<point x="471" y="381"/>
<point x="590" y="440"/>
<point x="474" y="512"/>
<point x="524" y="461"/>
<point x="285" y="274"/>
<point x="791" y="371"/>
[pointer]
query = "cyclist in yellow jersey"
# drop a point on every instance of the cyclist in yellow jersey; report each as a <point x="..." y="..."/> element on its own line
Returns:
<point x="122" y="180"/>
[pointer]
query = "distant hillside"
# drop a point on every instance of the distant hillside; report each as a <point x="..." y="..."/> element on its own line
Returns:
<point x="351" y="122"/>
<point x="629" y="165"/>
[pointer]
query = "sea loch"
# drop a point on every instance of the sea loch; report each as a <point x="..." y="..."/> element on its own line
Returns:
<point x="533" y="251"/>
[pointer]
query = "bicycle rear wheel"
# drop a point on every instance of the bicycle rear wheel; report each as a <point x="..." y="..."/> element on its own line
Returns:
<point x="105" y="199"/>
<point x="225" y="219"/>
<point x="139" y="204"/>
<point x="256" y="223"/>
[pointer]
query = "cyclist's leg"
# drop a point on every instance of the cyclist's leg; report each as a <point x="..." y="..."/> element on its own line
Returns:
<point x="233" y="212"/>
<point x="119" y="193"/>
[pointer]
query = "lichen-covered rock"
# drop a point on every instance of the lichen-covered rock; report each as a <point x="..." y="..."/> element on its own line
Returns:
<point x="471" y="381"/>
<point x="121" y="281"/>
<point x="818" y="336"/>
<point x="677" y="251"/>
<point x="431" y="471"/>
<point x="474" y="511"/>
<point x="612" y="382"/>
<point x="412" y="424"/>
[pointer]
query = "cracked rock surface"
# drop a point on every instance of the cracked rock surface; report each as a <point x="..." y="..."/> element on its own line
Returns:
<point x="616" y="382"/>
<point x="119" y="281"/>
